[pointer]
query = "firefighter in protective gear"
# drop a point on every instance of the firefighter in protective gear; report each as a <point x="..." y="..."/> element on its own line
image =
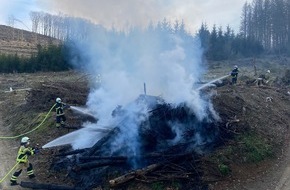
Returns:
<point x="22" y="160"/>
<point x="264" y="79"/>
<point x="234" y="74"/>
<point x="60" y="117"/>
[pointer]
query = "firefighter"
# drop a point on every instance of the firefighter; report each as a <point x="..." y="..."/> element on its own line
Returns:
<point x="234" y="74"/>
<point x="264" y="79"/>
<point x="22" y="159"/>
<point x="60" y="117"/>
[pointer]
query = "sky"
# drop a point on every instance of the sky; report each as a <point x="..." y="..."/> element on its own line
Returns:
<point x="126" y="13"/>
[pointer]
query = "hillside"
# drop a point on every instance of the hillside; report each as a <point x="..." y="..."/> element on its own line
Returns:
<point x="21" y="42"/>
<point x="253" y="130"/>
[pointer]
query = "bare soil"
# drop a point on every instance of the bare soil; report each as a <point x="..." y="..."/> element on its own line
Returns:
<point x="22" y="110"/>
<point x="21" y="113"/>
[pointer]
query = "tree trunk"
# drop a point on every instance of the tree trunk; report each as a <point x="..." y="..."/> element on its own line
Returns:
<point x="124" y="178"/>
<point x="92" y="165"/>
<point x="89" y="158"/>
<point x="42" y="186"/>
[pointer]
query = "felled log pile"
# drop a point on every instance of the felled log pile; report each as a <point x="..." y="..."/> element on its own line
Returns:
<point x="33" y="185"/>
<point x="160" y="158"/>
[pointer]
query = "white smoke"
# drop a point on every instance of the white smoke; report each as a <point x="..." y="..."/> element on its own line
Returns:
<point x="165" y="61"/>
<point x="168" y="61"/>
<point x="124" y="14"/>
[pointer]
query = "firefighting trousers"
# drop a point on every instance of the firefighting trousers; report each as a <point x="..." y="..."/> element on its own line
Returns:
<point x="60" y="120"/>
<point x="21" y="166"/>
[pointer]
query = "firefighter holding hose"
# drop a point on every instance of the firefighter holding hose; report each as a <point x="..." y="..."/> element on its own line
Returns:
<point x="60" y="117"/>
<point x="22" y="159"/>
<point x="234" y="74"/>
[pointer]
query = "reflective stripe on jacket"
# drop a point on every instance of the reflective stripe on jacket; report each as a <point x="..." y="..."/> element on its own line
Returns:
<point x="23" y="154"/>
<point x="59" y="109"/>
<point x="235" y="73"/>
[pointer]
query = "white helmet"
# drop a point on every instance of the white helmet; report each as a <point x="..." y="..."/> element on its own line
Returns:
<point x="25" y="140"/>
<point x="268" y="71"/>
<point x="235" y="66"/>
<point x="58" y="100"/>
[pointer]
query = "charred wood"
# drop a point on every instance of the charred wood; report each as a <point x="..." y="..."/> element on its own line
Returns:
<point x="71" y="127"/>
<point x="164" y="178"/>
<point x="90" y="158"/>
<point x="33" y="185"/>
<point x="131" y="175"/>
<point x="91" y="165"/>
<point x="165" y="155"/>
<point x="73" y="152"/>
<point x="85" y="117"/>
<point x="141" y="172"/>
<point x="103" y="140"/>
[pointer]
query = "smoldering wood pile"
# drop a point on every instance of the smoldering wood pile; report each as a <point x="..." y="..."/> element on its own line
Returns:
<point x="160" y="158"/>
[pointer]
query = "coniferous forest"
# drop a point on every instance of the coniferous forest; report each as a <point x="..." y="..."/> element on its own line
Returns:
<point x="264" y="29"/>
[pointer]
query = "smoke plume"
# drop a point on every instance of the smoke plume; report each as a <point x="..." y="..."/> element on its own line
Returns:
<point x="125" y="14"/>
<point x="164" y="57"/>
<point x="167" y="60"/>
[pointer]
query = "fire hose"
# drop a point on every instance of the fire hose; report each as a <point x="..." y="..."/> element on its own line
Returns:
<point x="13" y="137"/>
<point x="9" y="172"/>
<point x="36" y="150"/>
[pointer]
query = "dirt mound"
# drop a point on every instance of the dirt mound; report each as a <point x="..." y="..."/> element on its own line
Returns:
<point x="263" y="109"/>
<point x="263" y="118"/>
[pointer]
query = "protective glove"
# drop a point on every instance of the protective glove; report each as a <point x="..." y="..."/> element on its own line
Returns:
<point x="35" y="150"/>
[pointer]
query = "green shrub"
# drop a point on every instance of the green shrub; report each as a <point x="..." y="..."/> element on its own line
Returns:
<point x="157" y="186"/>
<point x="224" y="169"/>
<point x="254" y="148"/>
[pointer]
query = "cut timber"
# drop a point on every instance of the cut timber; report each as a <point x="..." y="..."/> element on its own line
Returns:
<point x="72" y="152"/>
<point x="33" y="185"/>
<point x="89" y="158"/>
<point x="124" y="178"/>
<point x="141" y="172"/>
<point x="71" y="127"/>
<point x="103" y="140"/>
<point x="92" y="165"/>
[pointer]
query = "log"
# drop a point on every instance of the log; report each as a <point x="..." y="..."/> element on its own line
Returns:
<point x="162" y="155"/>
<point x="34" y="185"/>
<point x="73" y="152"/>
<point x="92" y="165"/>
<point x="103" y="140"/>
<point x="131" y="175"/>
<point x="90" y="158"/>
<point x="71" y="127"/>
<point x="141" y="172"/>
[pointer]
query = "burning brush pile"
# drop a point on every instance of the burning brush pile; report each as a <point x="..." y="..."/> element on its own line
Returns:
<point x="156" y="141"/>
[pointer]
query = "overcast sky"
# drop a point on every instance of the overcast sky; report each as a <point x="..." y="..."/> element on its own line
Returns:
<point x="124" y="13"/>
